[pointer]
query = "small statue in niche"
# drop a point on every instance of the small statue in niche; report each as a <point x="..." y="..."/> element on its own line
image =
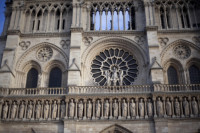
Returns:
<point x="141" y="108"/>
<point x="98" y="109"/>
<point x="132" y="108"/>
<point x="149" y="108"/>
<point x="80" y="109"/>
<point x="115" y="77"/>
<point x="5" y="110"/>
<point x="194" y="106"/>
<point x="71" y="109"/>
<point x="115" y="108"/>
<point x="21" y="110"/>
<point x="107" y="74"/>
<point x="106" y="109"/>
<point x="124" y="108"/>
<point x="168" y="107"/>
<point x="14" y="110"/>
<point x="121" y="77"/>
<point x="38" y="110"/>
<point x="186" y="107"/>
<point x="54" y="110"/>
<point x="30" y="110"/>
<point x="89" y="109"/>
<point x="177" y="107"/>
<point x="46" y="110"/>
<point x="159" y="107"/>
<point x="62" y="107"/>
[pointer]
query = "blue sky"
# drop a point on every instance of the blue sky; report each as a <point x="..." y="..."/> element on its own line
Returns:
<point x="2" y="18"/>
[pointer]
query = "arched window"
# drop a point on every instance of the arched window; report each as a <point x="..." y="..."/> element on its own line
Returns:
<point x="172" y="75"/>
<point x="32" y="78"/>
<point x="55" y="77"/>
<point x="194" y="72"/>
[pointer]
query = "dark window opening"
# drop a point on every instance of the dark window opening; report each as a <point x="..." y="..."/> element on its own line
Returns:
<point x="38" y="28"/>
<point x="194" y="72"/>
<point x="172" y="75"/>
<point x="33" y="25"/>
<point x="63" y="24"/>
<point x="55" y="77"/>
<point x="58" y="24"/>
<point x="32" y="78"/>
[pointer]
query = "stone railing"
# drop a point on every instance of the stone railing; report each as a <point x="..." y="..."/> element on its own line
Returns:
<point x="100" y="90"/>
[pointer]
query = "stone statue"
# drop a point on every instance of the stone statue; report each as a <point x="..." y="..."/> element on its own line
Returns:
<point x="98" y="109"/>
<point x="5" y="110"/>
<point x="121" y="77"/>
<point x="124" y="108"/>
<point x="46" y="110"/>
<point x="159" y="107"/>
<point x="14" y="110"/>
<point x="38" y="110"/>
<point x="21" y="110"/>
<point x="71" y="108"/>
<point x="115" y="108"/>
<point x="141" y="108"/>
<point x="107" y="74"/>
<point x="30" y="110"/>
<point x="106" y="109"/>
<point x="80" y="109"/>
<point x="194" y="106"/>
<point x="186" y="107"/>
<point x="168" y="107"/>
<point x="177" y="107"/>
<point x="54" y="110"/>
<point x="149" y="108"/>
<point x="114" y="76"/>
<point x="89" y="109"/>
<point x="39" y="80"/>
<point x="132" y="108"/>
<point x="62" y="108"/>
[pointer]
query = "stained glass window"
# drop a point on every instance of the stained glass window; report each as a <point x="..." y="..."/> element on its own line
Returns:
<point x="32" y="78"/>
<point x="172" y="75"/>
<point x="55" y="77"/>
<point x="194" y="72"/>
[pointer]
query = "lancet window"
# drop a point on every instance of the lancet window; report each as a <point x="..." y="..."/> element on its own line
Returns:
<point x="194" y="73"/>
<point x="180" y="14"/>
<point x="32" y="78"/>
<point x="112" y="16"/>
<point x="55" y="77"/>
<point x="172" y="75"/>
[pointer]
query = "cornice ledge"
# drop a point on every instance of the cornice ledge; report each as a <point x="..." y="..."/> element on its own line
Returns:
<point x="76" y="29"/>
<point x="63" y="34"/>
<point x="179" y="31"/>
<point x="14" y="32"/>
<point x="102" y="33"/>
<point x="151" y="28"/>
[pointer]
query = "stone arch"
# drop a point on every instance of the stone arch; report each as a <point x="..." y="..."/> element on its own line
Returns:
<point x="179" y="68"/>
<point x="193" y="61"/>
<point x="114" y="42"/>
<point x="115" y="129"/>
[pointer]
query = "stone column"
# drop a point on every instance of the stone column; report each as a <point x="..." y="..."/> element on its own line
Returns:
<point x="50" y="108"/>
<point x="128" y="107"/>
<point x="164" y="107"/>
<point x="25" y="110"/>
<point x="48" y="20"/>
<point x="74" y="15"/>
<point x="102" y="101"/>
<point x="42" y="109"/>
<point x="76" y="104"/>
<point x="10" y="105"/>
<point x="88" y="17"/>
<point x="112" y="14"/>
<point x="85" y="109"/>
<point x="120" y="109"/>
<point x="189" y="15"/>
<point x="12" y="21"/>
<point x="145" y="108"/>
<point x="181" y="106"/>
<point x="190" y="105"/>
<point x="93" y="108"/>
<point x="117" y="19"/>
<point x="130" y="19"/>
<point x="154" y="106"/>
<point x="33" y="116"/>
<point x="172" y="101"/>
<point x="147" y="13"/>
<point x="1" y="107"/>
<point x="66" y="110"/>
<point x="198" y="103"/>
<point x="110" y="117"/>
<point x="124" y="17"/>
<point x="177" y="16"/>
<point x="17" y="110"/>
<point x="94" y="20"/>
<point x="136" y="101"/>
<point x="61" y="18"/>
<point x="100" y="13"/>
<point x="58" y="114"/>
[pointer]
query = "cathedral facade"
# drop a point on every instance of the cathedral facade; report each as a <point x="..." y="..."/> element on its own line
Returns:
<point x="100" y="66"/>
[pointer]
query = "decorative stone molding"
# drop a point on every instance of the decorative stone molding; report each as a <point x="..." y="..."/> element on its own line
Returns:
<point x="139" y="39"/>
<point x="196" y="39"/>
<point x="87" y="40"/>
<point x="44" y="54"/>
<point x="65" y="44"/>
<point x="163" y="41"/>
<point x="182" y="51"/>
<point x="24" y="45"/>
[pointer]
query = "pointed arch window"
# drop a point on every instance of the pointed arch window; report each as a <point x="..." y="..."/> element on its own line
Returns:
<point x="32" y="78"/>
<point x="194" y="72"/>
<point x="172" y="75"/>
<point x="55" y="77"/>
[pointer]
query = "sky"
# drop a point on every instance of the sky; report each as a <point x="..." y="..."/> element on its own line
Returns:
<point x="2" y="18"/>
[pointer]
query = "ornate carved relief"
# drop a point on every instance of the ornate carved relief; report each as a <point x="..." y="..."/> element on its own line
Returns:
<point x="182" y="51"/>
<point x="163" y="41"/>
<point x="139" y="39"/>
<point x="24" y="45"/>
<point x="114" y="66"/>
<point x="44" y="54"/>
<point x="196" y="39"/>
<point x="87" y="40"/>
<point x="65" y="44"/>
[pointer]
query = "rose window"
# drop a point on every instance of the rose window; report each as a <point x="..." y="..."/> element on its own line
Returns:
<point x="182" y="51"/>
<point x="113" y="67"/>
<point x="44" y="54"/>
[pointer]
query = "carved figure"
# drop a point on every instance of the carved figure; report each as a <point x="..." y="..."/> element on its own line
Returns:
<point x="89" y="109"/>
<point x="124" y="108"/>
<point x="132" y="108"/>
<point x="149" y="108"/>
<point x="30" y="110"/>
<point x="62" y="107"/>
<point x="177" y="107"/>
<point x="46" y="110"/>
<point x="21" y="110"/>
<point x="168" y="107"/>
<point x="80" y="109"/>
<point x="141" y="108"/>
<point x="159" y="107"/>
<point x="107" y="73"/>
<point x="14" y="110"/>
<point x="115" y="108"/>
<point x="38" y="110"/>
<point x="106" y="109"/>
<point x="121" y="77"/>
<point x="98" y="109"/>
<point x="114" y="76"/>
<point x="194" y="106"/>
<point x="5" y="110"/>
<point x="54" y="110"/>
<point x="71" y="108"/>
<point x="186" y="107"/>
